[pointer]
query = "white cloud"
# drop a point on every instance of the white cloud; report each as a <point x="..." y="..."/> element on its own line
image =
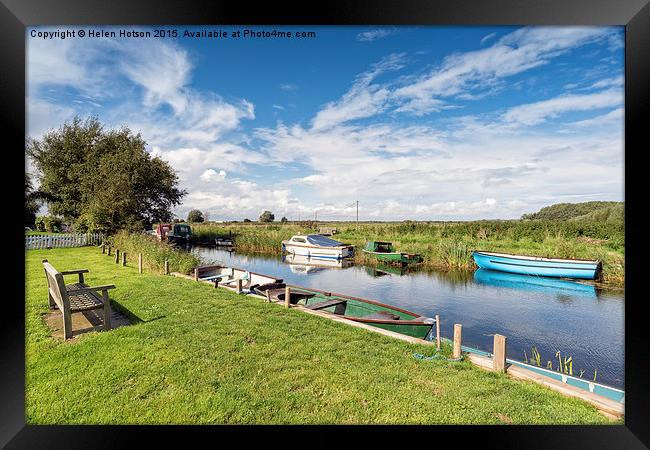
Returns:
<point x="364" y="99"/>
<point x="537" y="112"/>
<point x="516" y="52"/>
<point x="373" y="35"/>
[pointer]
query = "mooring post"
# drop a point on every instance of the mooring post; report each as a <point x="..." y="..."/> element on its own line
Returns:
<point x="268" y="295"/>
<point x="287" y="296"/>
<point x="438" y="332"/>
<point x="109" y="250"/>
<point x="103" y="249"/>
<point x="499" y="353"/>
<point x="239" y="285"/>
<point x="196" y="274"/>
<point x="139" y="262"/>
<point x="166" y="267"/>
<point x="458" y="332"/>
<point x="124" y="258"/>
<point x="117" y="256"/>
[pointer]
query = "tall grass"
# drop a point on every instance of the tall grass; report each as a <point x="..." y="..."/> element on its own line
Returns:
<point x="154" y="252"/>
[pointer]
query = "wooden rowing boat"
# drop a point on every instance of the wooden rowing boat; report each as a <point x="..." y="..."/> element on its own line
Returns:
<point x="384" y="251"/>
<point x="536" y="265"/>
<point x="356" y="309"/>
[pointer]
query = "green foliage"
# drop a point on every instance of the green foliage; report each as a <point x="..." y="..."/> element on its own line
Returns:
<point x="51" y="224"/>
<point x="103" y="180"/>
<point x="247" y="220"/>
<point x="284" y="220"/>
<point x="266" y="216"/>
<point x="600" y="211"/>
<point x="195" y="216"/>
<point x="199" y="355"/>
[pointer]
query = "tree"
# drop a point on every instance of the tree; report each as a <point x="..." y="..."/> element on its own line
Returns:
<point x="247" y="220"/>
<point x="195" y="216"/>
<point x="103" y="180"/>
<point x="267" y="216"/>
<point x="283" y="220"/>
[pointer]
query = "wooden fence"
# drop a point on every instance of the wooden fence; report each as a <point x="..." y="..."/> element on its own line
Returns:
<point x="34" y="242"/>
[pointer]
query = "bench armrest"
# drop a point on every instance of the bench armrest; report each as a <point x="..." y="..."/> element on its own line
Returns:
<point x="74" y="272"/>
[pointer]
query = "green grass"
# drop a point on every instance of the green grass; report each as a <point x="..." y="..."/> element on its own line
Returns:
<point x="447" y="245"/>
<point x="202" y="355"/>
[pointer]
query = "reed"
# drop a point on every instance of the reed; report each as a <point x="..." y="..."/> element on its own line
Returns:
<point x="154" y="252"/>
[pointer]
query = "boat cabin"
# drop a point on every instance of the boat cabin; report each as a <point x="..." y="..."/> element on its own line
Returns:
<point x="182" y="230"/>
<point x="162" y="230"/>
<point x="379" y="247"/>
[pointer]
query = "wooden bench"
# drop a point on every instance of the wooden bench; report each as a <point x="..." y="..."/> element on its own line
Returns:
<point x="75" y="297"/>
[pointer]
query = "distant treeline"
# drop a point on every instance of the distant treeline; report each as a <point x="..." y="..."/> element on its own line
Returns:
<point x="588" y="211"/>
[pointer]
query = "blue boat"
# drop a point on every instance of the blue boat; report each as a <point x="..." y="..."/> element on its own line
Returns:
<point x="535" y="265"/>
<point x="534" y="284"/>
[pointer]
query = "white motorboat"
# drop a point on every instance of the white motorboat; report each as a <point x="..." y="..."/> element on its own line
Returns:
<point x="317" y="246"/>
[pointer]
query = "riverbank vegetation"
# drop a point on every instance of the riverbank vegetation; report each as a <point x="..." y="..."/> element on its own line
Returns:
<point x="447" y="245"/>
<point x="198" y="355"/>
<point x="154" y="252"/>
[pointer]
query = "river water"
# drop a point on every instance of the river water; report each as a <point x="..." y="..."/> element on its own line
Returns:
<point x="552" y="315"/>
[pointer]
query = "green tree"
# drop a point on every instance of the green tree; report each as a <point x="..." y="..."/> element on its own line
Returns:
<point x="267" y="216"/>
<point x="283" y="220"/>
<point x="103" y="180"/>
<point x="195" y="216"/>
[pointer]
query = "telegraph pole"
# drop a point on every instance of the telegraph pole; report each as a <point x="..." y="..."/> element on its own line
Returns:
<point x="357" y="215"/>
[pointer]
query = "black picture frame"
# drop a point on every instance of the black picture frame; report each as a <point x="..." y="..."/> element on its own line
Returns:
<point x="15" y="15"/>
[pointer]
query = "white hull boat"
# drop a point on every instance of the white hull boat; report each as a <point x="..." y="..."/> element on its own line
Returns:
<point x="317" y="246"/>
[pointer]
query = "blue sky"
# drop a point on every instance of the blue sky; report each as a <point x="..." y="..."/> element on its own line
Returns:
<point x="426" y="123"/>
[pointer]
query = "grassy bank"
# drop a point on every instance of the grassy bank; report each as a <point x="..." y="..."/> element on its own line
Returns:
<point x="449" y="245"/>
<point x="196" y="354"/>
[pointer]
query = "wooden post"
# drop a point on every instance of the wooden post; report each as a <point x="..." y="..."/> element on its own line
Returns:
<point x="139" y="262"/>
<point x="499" y="353"/>
<point x="268" y="295"/>
<point x="239" y="285"/>
<point x="124" y="258"/>
<point x="196" y="274"/>
<point x="107" y="310"/>
<point x="117" y="256"/>
<point x="103" y="249"/>
<point x="458" y="332"/>
<point x="166" y="267"/>
<point x="287" y="296"/>
<point x="109" y="250"/>
<point x="438" y="332"/>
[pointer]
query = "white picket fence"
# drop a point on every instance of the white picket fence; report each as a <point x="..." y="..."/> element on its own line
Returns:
<point x="62" y="240"/>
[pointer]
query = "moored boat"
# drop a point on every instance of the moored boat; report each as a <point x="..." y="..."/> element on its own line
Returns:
<point x="228" y="276"/>
<point x="356" y="309"/>
<point x="317" y="246"/>
<point x="535" y="265"/>
<point x="384" y="251"/>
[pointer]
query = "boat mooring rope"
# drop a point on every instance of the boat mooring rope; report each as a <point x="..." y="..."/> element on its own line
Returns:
<point x="436" y="356"/>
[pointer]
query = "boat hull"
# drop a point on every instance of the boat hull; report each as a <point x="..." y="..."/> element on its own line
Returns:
<point x="370" y="312"/>
<point x="318" y="252"/>
<point x="395" y="257"/>
<point x="545" y="267"/>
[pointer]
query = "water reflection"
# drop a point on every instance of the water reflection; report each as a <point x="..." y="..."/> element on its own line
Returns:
<point x="563" y="289"/>
<point x="307" y="265"/>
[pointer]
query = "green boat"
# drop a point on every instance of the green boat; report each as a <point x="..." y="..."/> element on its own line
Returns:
<point x="383" y="251"/>
<point x="352" y="308"/>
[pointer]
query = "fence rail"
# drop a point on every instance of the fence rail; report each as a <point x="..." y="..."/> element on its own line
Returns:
<point x="62" y="240"/>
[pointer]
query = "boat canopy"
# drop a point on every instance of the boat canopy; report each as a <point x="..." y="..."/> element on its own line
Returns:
<point x="379" y="247"/>
<point x="181" y="229"/>
<point x="322" y="241"/>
